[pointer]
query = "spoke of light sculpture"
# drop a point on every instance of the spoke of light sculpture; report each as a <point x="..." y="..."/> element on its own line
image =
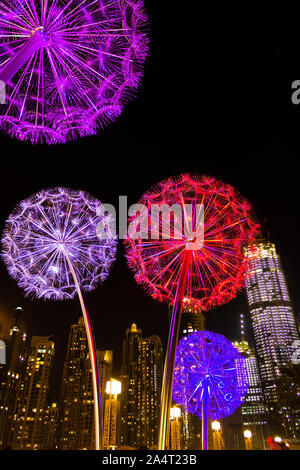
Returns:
<point x="179" y="266"/>
<point x="69" y="66"/>
<point x="210" y="377"/>
<point x="51" y="248"/>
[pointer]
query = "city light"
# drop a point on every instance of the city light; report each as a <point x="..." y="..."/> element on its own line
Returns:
<point x="247" y="434"/>
<point x="277" y="439"/>
<point x="175" y="412"/>
<point x="216" y="425"/>
<point x="113" y="387"/>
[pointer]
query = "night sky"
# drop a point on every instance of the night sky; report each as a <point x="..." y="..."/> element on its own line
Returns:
<point x="216" y="100"/>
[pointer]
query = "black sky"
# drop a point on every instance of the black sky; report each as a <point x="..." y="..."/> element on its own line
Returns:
<point x="215" y="99"/>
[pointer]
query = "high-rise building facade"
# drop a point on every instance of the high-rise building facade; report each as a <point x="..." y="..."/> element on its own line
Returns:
<point x="150" y="368"/>
<point x="141" y="389"/>
<point x="76" y="405"/>
<point x="129" y="379"/>
<point x="29" y="419"/>
<point x="273" y="321"/>
<point x="253" y="409"/>
<point x="86" y="421"/>
<point x="271" y="312"/>
<point x="70" y="396"/>
<point x="16" y="341"/>
<point x="50" y="427"/>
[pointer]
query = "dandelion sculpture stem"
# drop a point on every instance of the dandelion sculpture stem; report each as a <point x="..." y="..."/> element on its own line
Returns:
<point x="98" y="417"/>
<point x="200" y="258"/>
<point x="167" y="384"/>
<point x="52" y="249"/>
<point x="205" y="399"/>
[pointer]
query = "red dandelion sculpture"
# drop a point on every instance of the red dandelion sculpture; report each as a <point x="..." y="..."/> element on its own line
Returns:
<point x="187" y="242"/>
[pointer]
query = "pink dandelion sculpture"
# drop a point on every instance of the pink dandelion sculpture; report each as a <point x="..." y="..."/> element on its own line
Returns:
<point x="51" y="248"/>
<point x="68" y="66"/>
<point x="195" y="252"/>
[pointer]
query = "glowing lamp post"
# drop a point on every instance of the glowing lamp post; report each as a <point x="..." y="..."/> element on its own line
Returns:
<point x="175" y="412"/>
<point x="175" y="415"/>
<point x="113" y="389"/>
<point x="248" y="439"/>
<point x="68" y="67"/>
<point x="216" y="427"/>
<point x="51" y="248"/>
<point x="202" y="261"/>
<point x="206" y="381"/>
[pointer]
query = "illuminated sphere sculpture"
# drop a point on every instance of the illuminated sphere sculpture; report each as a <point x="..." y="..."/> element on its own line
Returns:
<point x="217" y="268"/>
<point x="209" y="360"/>
<point x="195" y="253"/>
<point x="68" y="66"/>
<point x="45" y="229"/>
<point x="51" y="246"/>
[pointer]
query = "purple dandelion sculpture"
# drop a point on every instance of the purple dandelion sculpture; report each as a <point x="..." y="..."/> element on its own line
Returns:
<point x="68" y="66"/>
<point x="210" y="377"/>
<point x="50" y="246"/>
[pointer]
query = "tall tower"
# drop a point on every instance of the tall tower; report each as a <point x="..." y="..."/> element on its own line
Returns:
<point x="50" y="426"/>
<point x="273" y="321"/>
<point x="86" y="422"/>
<point x="129" y="379"/>
<point x="150" y="369"/>
<point x="69" y="407"/>
<point x="253" y="409"/>
<point x="28" y="433"/>
<point x="17" y="343"/>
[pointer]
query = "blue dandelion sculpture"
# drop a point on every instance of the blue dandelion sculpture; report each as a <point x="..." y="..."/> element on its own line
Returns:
<point x="210" y="378"/>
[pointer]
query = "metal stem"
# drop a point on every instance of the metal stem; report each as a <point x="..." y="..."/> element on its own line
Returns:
<point x="205" y="399"/>
<point x="167" y="385"/>
<point x="98" y="418"/>
<point x="20" y="58"/>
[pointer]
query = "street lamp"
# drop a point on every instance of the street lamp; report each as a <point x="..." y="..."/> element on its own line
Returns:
<point x="113" y="389"/>
<point x="216" y="427"/>
<point x="248" y="439"/>
<point x="175" y="414"/>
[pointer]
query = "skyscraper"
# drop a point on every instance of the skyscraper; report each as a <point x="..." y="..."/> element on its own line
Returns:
<point x="150" y="365"/>
<point x="70" y="403"/>
<point x="29" y="419"/>
<point x="76" y="406"/>
<point x="16" y="341"/>
<point x="141" y="388"/>
<point x="253" y="409"/>
<point x="271" y="312"/>
<point x="50" y="427"/>
<point x="86" y="421"/>
<point x="129" y="379"/>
